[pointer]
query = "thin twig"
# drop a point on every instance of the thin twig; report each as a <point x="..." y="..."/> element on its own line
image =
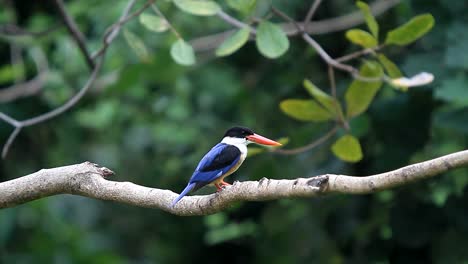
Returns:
<point x="30" y="87"/>
<point x="108" y="38"/>
<point x="171" y="27"/>
<point x="74" y="31"/>
<point x="112" y="32"/>
<point x="323" y="54"/>
<point x="10" y="140"/>
<point x="210" y="42"/>
<point x="12" y="30"/>
<point x="309" y="146"/>
<point x="359" y="53"/>
<point x="311" y="13"/>
<point x="235" y="22"/>
<point x="331" y="78"/>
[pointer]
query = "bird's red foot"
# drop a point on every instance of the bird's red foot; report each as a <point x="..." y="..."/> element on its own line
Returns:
<point x="218" y="188"/>
<point x="223" y="183"/>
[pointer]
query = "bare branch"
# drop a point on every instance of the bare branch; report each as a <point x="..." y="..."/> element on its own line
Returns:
<point x="171" y="27"/>
<point x="10" y="140"/>
<point x="30" y="87"/>
<point x="233" y="21"/>
<point x="309" y="146"/>
<point x="88" y="180"/>
<point x="311" y="13"/>
<point x="74" y="31"/>
<point x="49" y="115"/>
<point x="108" y="38"/>
<point x="113" y="31"/>
<point x="325" y="26"/>
<point x="359" y="53"/>
<point x="12" y="30"/>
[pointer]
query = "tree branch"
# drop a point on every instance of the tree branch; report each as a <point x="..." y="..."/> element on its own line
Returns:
<point x="207" y="43"/>
<point x="87" y="179"/>
<point x="75" y="32"/>
<point x="109" y="36"/>
<point x="30" y="87"/>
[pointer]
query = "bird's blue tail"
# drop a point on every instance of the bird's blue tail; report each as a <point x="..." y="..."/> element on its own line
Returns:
<point x="187" y="189"/>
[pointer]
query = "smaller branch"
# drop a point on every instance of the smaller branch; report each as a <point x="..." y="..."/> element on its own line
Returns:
<point x="323" y="54"/>
<point x="12" y="30"/>
<point x="49" y="115"/>
<point x="210" y="42"/>
<point x="309" y="146"/>
<point x="108" y="38"/>
<point x="113" y="31"/>
<point x="10" y="140"/>
<point x="30" y="87"/>
<point x="9" y="120"/>
<point x="235" y="22"/>
<point x="74" y="31"/>
<point x="157" y="11"/>
<point x="359" y="53"/>
<point x="17" y="60"/>
<point x="341" y="119"/>
<point x="311" y="13"/>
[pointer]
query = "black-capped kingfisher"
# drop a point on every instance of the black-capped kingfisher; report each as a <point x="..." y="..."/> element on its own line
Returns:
<point x="223" y="159"/>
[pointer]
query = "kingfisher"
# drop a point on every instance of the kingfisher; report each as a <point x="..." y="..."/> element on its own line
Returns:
<point x="223" y="159"/>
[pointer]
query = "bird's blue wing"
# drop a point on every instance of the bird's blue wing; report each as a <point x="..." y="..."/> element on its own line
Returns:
<point x="219" y="160"/>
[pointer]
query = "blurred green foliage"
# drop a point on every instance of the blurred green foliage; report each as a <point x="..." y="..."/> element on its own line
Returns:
<point x="151" y="120"/>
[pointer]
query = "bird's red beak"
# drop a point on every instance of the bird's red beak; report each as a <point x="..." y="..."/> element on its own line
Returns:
<point x="263" y="140"/>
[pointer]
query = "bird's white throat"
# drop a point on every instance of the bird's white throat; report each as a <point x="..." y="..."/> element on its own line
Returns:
<point x="240" y="143"/>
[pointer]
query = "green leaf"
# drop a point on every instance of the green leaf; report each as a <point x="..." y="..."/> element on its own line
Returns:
<point x="390" y="67"/>
<point x="361" y="38"/>
<point x="347" y="148"/>
<point x="154" y="23"/>
<point x="137" y="45"/>
<point x="360" y="94"/>
<point x="271" y="40"/>
<point x="328" y="102"/>
<point x="199" y="8"/>
<point x="182" y="53"/>
<point x="243" y="6"/>
<point x="411" y="31"/>
<point x="305" y="110"/>
<point x="370" y="19"/>
<point x="233" y="42"/>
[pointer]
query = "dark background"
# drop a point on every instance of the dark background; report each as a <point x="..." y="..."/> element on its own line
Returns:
<point x="152" y="122"/>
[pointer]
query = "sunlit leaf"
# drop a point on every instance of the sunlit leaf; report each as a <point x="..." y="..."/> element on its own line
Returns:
<point x="137" y="45"/>
<point x="182" y="53"/>
<point x="271" y="40"/>
<point x="233" y="43"/>
<point x="198" y="7"/>
<point x="328" y="102"/>
<point x="347" y="148"/>
<point x="305" y="110"/>
<point x="360" y="93"/>
<point x="361" y="38"/>
<point x="154" y="23"/>
<point x="412" y="30"/>
<point x="370" y="19"/>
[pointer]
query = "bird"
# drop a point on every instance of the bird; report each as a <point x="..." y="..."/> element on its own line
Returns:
<point x="223" y="159"/>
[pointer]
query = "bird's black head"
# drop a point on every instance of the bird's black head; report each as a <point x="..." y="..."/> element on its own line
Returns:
<point x="238" y="132"/>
